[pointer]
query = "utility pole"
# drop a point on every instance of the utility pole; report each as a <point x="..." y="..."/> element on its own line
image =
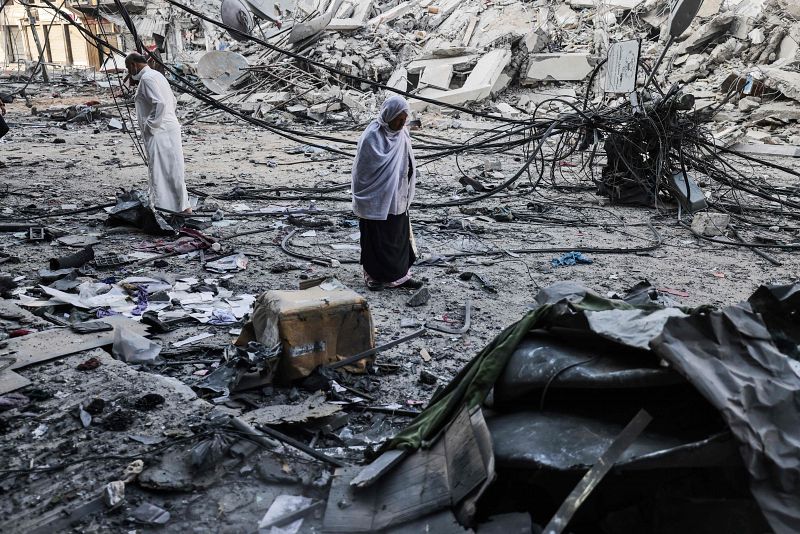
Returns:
<point x="32" y="23"/>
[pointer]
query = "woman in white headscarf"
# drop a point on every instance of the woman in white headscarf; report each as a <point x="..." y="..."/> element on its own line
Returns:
<point x="384" y="176"/>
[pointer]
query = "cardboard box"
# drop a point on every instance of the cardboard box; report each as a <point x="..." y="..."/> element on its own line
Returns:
<point x="314" y="326"/>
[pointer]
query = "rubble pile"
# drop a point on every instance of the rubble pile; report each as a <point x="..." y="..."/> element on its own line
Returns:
<point x="508" y="58"/>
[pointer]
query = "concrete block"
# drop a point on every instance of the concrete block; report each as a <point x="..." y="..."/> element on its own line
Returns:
<point x="347" y="21"/>
<point x="492" y="164"/>
<point x="787" y="82"/>
<point x="570" y="67"/>
<point x="438" y="76"/>
<point x="488" y="69"/>
<point x="399" y="79"/>
<point x="757" y="36"/>
<point x="748" y="104"/>
<point x="782" y="111"/>
<point x="507" y="110"/>
<point x="709" y="8"/>
<point x="325" y="107"/>
<point x="710" y="224"/>
<point x="419" y="65"/>
<point x="477" y="86"/>
<point x="456" y="96"/>
<point x="790" y="45"/>
<point x="763" y="149"/>
<point x="535" y="41"/>
<point x="396" y="12"/>
<point x="566" y="18"/>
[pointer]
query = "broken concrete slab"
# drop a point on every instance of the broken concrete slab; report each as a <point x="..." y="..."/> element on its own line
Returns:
<point x="557" y="67"/>
<point x="419" y="65"/>
<point x="354" y="21"/>
<point x="706" y="33"/>
<point x="744" y="16"/>
<point x="54" y="343"/>
<point x="455" y="96"/>
<point x="611" y="4"/>
<point x="566" y="18"/>
<point x="488" y="69"/>
<point x="507" y="110"/>
<point x="477" y="86"/>
<point x="790" y="45"/>
<point x="709" y="8"/>
<point x="748" y="104"/>
<point x="396" y="12"/>
<point x="785" y="81"/>
<point x="304" y="30"/>
<point x="399" y="79"/>
<point x="763" y="149"/>
<point x="438" y="77"/>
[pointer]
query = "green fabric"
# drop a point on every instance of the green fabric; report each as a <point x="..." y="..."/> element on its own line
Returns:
<point x="477" y="378"/>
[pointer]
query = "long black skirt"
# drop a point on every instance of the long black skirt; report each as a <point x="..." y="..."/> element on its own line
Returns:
<point x="386" y="251"/>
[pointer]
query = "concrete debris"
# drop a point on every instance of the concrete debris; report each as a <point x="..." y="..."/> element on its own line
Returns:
<point x="710" y="224"/>
<point x="784" y="81"/>
<point x="557" y="67"/>
<point x="237" y="351"/>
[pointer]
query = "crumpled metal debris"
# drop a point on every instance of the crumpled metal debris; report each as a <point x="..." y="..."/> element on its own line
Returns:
<point x="237" y="362"/>
<point x="133" y="209"/>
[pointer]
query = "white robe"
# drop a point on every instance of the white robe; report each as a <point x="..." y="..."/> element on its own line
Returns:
<point x="161" y="133"/>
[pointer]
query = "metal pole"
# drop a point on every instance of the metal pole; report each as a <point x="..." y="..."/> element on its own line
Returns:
<point x="658" y="62"/>
<point x="32" y="23"/>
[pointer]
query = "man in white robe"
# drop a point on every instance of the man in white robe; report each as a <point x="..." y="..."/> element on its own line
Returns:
<point x="161" y="134"/>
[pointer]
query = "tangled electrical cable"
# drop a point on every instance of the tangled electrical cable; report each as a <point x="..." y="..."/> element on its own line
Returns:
<point x="652" y="145"/>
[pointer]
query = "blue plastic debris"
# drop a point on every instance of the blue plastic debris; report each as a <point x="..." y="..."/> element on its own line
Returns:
<point x="570" y="258"/>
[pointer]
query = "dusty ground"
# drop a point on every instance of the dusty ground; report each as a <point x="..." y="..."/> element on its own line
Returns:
<point x="92" y="163"/>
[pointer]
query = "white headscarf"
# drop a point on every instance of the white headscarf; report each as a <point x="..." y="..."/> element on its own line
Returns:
<point x="380" y="171"/>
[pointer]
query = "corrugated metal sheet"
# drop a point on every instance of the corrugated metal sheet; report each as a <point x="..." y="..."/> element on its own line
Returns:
<point x="146" y="27"/>
<point x="149" y="26"/>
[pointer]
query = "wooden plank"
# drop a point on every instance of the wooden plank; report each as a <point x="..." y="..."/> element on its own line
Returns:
<point x="357" y="515"/>
<point x="424" y="481"/>
<point x="382" y="465"/>
<point x="465" y="468"/>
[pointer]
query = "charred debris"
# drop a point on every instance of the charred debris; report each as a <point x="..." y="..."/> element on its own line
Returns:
<point x="148" y="381"/>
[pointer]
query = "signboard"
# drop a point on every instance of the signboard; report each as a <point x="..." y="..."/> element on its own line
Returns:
<point x="622" y="67"/>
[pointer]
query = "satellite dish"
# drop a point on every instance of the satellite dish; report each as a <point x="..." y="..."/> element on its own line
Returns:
<point x="219" y="69"/>
<point x="236" y="14"/>
<point x="304" y="30"/>
<point x="262" y="10"/>
<point x="681" y="15"/>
